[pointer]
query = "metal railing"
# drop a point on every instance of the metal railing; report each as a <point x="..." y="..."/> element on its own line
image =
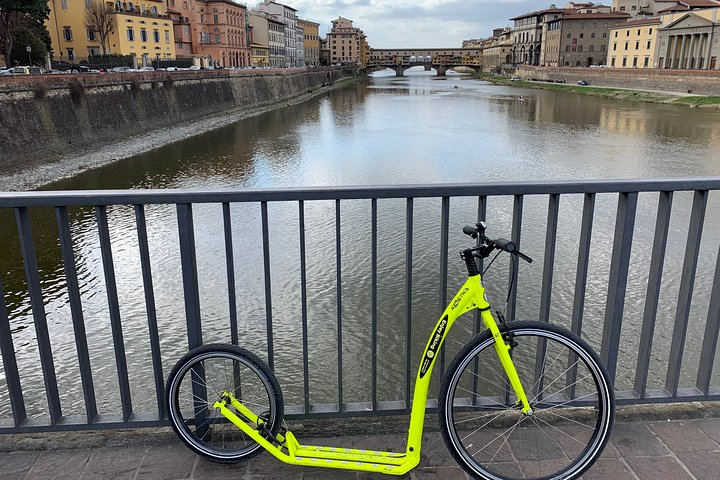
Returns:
<point x="613" y="333"/>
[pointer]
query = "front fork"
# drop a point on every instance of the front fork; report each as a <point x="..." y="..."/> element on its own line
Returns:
<point x="503" y="348"/>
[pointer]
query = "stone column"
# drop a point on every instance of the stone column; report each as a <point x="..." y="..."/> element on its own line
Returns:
<point x="669" y="51"/>
<point x="676" y="54"/>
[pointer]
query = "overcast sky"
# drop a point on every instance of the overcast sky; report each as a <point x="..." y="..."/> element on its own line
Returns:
<point x="418" y="23"/>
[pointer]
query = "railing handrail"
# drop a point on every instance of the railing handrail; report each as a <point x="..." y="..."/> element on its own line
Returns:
<point x="156" y="196"/>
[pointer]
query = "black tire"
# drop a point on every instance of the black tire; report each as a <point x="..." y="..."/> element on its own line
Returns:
<point x="222" y="368"/>
<point x="558" y="371"/>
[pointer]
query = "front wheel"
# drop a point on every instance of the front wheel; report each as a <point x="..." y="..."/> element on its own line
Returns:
<point x="199" y="379"/>
<point x="568" y="389"/>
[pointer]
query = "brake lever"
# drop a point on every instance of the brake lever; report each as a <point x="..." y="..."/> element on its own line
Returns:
<point x="524" y="257"/>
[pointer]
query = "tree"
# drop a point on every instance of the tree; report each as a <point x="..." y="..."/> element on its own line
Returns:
<point x="23" y="37"/>
<point x="100" y="18"/>
<point x="12" y="12"/>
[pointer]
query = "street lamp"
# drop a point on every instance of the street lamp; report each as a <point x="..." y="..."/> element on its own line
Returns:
<point x="29" y="49"/>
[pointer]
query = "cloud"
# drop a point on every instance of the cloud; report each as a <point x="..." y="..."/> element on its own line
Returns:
<point x="418" y="23"/>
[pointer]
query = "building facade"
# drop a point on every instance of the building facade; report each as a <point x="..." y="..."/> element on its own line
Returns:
<point x="527" y="34"/>
<point x="580" y="39"/>
<point x="140" y="29"/>
<point x="212" y="32"/>
<point x="498" y="50"/>
<point x="689" y="40"/>
<point x="348" y="45"/>
<point x="632" y="44"/>
<point x="311" y="42"/>
<point x="288" y="17"/>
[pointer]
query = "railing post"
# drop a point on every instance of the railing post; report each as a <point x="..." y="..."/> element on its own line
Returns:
<point x="7" y="350"/>
<point x="617" y="281"/>
<point x="188" y="261"/>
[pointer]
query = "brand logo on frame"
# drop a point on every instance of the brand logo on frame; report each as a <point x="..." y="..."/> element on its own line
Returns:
<point x="434" y="345"/>
<point x="459" y="298"/>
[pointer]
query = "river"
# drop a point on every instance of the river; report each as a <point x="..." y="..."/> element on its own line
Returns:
<point x="418" y="129"/>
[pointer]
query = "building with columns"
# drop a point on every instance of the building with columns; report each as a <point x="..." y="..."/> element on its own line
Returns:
<point x="688" y="40"/>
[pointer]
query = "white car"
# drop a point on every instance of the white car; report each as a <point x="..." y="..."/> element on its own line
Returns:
<point x="146" y="69"/>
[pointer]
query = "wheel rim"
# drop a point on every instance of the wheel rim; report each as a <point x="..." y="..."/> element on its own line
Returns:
<point x="199" y="383"/>
<point x="570" y="401"/>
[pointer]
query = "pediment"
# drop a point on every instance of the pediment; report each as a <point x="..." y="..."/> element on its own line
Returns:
<point x="689" y="20"/>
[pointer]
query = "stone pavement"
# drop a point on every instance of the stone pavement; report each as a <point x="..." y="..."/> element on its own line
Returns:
<point x="638" y="450"/>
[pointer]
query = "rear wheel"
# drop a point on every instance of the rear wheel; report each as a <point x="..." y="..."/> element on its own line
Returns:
<point x="199" y="379"/>
<point x="568" y="390"/>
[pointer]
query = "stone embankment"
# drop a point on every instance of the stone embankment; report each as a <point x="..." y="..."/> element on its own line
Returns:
<point x="55" y="126"/>
<point x="700" y="82"/>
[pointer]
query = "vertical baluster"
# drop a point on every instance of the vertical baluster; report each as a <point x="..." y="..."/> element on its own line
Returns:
<point x="546" y="292"/>
<point x="150" y="307"/>
<point x="81" y="343"/>
<point x="114" y="310"/>
<point x="581" y="283"/>
<point x="191" y="291"/>
<point x="662" y="226"/>
<point x="338" y="283"/>
<point x="268" y="284"/>
<point x="38" y="310"/>
<point x="687" y="279"/>
<point x="230" y="264"/>
<point x="303" y="296"/>
<point x="481" y="213"/>
<point x="374" y="282"/>
<point x="408" y="299"/>
<point x="710" y="339"/>
<point x="443" y="300"/>
<point x="7" y="351"/>
<point x="514" y="270"/>
<point x="617" y="281"/>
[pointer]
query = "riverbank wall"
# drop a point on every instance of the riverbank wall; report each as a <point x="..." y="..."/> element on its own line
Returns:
<point x="700" y="82"/>
<point x="48" y="119"/>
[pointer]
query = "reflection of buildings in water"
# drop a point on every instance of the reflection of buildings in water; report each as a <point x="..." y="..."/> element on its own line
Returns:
<point x="620" y="121"/>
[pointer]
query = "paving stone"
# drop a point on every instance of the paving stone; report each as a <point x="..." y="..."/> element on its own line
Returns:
<point x="113" y="463"/>
<point x="535" y="444"/>
<point x="704" y="465"/>
<point x="327" y="474"/>
<point x="169" y="462"/>
<point x="711" y="427"/>
<point x="657" y="468"/>
<point x="209" y="470"/>
<point x="59" y="464"/>
<point x="609" y="468"/>
<point x="683" y="436"/>
<point x="434" y="452"/>
<point x="16" y="464"/>
<point x="486" y="445"/>
<point x="266" y="464"/>
<point x="437" y="473"/>
<point x="573" y="441"/>
<point x="636" y="440"/>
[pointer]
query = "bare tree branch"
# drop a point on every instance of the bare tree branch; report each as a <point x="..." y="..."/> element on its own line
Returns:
<point x="100" y="18"/>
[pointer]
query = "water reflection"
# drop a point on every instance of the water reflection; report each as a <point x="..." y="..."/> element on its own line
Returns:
<point x="415" y="129"/>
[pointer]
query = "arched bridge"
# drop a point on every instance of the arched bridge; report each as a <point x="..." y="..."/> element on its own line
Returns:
<point x="441" y="59"/>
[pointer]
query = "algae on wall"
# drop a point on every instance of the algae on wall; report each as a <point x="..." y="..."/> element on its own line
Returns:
<point x="42" y="128"/>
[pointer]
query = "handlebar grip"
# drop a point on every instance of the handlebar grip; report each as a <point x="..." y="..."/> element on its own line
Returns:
<point x="511" y="247"/>
<point x="470" y="230"/>
<point x="507" y="245"/>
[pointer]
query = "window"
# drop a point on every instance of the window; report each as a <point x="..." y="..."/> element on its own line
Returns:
<point x="592" y="35"/>
<point x="217" y="38"/>
<point x="612" y="62"/>
<point x="634" y="62"/>
<point x="616" y="33"/>
<point x="626" y="45"/>
<point x="71" y="54"/>
<point x="646" y="63"/>
<point x="648" y="45"/>
<point x="582" y="35"/>
<point x="568" y="35"/>
<point x="580" y="48"/>
<point x="91" y="34"/>
<point x="93" y="52"/>
<point x="202" y="18"/>
<point x="634" y="7"/>
<point x="143" y="35"/>
<point x="622" y="8"/>
<point x="216" y="19"/>
<point x="627" y="33"/>
<point x="131" y="34"/>
<point x="602" y="47"/>
<point x="591" y="48"/>
<point x="624" y="63"/>
<point x="638" y="32"/>
<point x="637" y="45"/>
<point x="67" y="34"/>
<point x="650" y="31"/>
<point x="156" y="36"/>
<point x="615" y="46"/>
<point x="167" y="37"/>
<point x="605" y="34"/>
<point x="567" y="48"/>
<point x="63" y="5"/>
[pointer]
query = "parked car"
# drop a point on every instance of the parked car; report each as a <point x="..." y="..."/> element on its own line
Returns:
<point x="20" y="70"/>
<point x="194" y="67"/>
<point x="146" y="69"/>
<point x="583" y="82"/>
<point x="172" y="69"/>
<point x="515" y="78"/>
<point x="120" y="69"/>
<point x="36" y="70"/>
<point x="5" y="71"/>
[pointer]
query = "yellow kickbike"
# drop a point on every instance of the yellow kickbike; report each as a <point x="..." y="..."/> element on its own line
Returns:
<point x="520" y="399"/>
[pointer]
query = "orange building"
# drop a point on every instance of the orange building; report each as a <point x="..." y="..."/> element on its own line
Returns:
<point x="212" y="32"/>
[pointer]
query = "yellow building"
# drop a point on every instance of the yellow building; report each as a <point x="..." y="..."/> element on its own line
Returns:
<point x="632" y="44"/>
<point x="141" y="29"/>
<point x="311" y="42"/>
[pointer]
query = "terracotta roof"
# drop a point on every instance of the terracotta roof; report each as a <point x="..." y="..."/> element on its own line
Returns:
<point x="638" y="22"/>
<point x="592" y="16"/>
<point x="540" y="12"/>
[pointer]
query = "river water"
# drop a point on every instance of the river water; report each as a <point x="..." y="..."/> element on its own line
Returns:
<point x="418" y="129"/>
